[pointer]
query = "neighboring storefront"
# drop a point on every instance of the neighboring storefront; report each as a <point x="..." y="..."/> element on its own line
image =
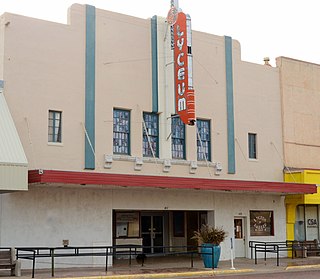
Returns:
<point x="300" y="97"/>
<point x="303" y="210"/>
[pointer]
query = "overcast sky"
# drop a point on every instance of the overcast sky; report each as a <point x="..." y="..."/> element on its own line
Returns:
<point x="263" y="27"/>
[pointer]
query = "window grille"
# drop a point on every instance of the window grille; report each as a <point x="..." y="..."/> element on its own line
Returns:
<point x="121" y="131"/>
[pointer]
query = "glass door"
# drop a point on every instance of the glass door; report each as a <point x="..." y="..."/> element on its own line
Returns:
<point x="152" y="233"/>
<point x="239" y="237"/>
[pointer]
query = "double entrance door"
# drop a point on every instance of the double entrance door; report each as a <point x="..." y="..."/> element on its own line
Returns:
<point x="152" y="233"/>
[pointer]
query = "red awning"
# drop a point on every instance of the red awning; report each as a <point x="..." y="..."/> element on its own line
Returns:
<point x="129" y="180"/>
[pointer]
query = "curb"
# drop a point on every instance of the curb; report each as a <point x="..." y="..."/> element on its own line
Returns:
<point x="165" y="275"/>
<point x="303" y="266"/>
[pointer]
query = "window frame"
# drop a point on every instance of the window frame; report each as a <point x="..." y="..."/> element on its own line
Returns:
<point x="199" y="148"/>
<point x="128" y="133"/>
<point x="144" y="134"/>
<point x="252" y="146"/>
<point x="56" y="136"/>
<point x="174" y="136"/>
<point x="259" y="229"/>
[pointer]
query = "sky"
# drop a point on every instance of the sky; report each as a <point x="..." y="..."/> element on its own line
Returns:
<point x="264" y="28"/>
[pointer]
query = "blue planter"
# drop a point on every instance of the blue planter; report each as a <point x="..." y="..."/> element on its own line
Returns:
<point x="207" y="251"/>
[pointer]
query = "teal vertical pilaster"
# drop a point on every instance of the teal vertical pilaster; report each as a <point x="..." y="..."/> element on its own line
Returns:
<point x="90" y="87"/>
<point x="230" y="106"/>
<point x="154" y="54"/>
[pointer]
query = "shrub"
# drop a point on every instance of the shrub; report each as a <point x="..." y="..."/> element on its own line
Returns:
<point x="208" y="234"/>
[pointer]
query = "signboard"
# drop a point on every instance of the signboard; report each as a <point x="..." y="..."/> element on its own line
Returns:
<point x="184" y="92"/>
<point x="261" y="223"/>
<point x="312" y="223"/>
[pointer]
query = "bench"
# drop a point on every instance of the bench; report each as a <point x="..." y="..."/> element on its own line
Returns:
<point x="7" y="260"/>
<point x="306" y="248"/>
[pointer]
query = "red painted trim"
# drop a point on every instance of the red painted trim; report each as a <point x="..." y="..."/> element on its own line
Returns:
<point x="128" y="180"/>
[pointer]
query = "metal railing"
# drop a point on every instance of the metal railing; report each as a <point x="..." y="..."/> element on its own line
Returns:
<point x="131" y="251"/>
<point x="270" y="247"/>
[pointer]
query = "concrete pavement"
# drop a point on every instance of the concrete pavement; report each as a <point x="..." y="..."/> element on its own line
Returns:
<point x="173" y="267"/>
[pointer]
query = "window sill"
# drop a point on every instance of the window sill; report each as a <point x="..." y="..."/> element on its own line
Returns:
<point x="55" y="144"/>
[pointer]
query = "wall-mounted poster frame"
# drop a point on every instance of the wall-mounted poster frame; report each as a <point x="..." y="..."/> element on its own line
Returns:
<point x="261" y="223"/>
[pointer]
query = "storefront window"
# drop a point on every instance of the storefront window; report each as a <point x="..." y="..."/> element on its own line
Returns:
<point x="261" y="223"/>
<point x="312" y="222"/>
<point x="178" y="224"/>
<point x="127" y="224"/>
<point x="306" y="226"/>
<point x="299" y="230"/>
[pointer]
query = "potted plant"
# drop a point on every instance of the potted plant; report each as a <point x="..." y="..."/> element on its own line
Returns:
<point x="209" y="238"/>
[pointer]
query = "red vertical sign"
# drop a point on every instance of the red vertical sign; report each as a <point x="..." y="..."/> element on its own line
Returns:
<point x="185" y="105"/>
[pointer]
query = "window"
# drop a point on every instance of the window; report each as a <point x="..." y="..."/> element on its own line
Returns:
<point x="178" y="146"/>
<point x="121" y="131"/>
<point x="127" y="224"/>
<point x="54" y="126"/>
<point x="203" y="140"/>
<point x="261" y="223"/>
<point x="252" y="145"/>
<point x="150" y="127"/>
<point x="178" y="224"/>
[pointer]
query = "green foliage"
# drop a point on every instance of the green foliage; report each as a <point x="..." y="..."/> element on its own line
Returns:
<point x="208" y="234"/>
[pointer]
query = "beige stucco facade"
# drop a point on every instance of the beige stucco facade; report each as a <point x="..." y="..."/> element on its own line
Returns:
<point x="123" y="76"/>
<point x="300" y="87"/>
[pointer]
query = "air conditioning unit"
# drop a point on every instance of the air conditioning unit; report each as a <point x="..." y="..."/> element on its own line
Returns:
<point x="193" y="167"/>
<point x="218" y="168"/>
<point x="108" y="161"/>
<point x="166" y="165"/>
<point x="138" y="164"/>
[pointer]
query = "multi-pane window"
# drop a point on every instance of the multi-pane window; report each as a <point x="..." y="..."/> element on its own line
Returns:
<point x="203" y="140"/>
<point x="150" y="127"/>
<point x="178" y="138"/>
<point x="121" y="131"/>
<point x="252" y="145"/>
<point x="54" y="126"/>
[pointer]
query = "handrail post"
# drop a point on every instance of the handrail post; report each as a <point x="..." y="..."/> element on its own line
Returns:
<point x="33" y="262"/>
<point x="191" y="259"/>
<point x="107" y="256"/>
<point x="52" y="261"/>
<point x="255" y="254"/>
<point x="212" y="257"/>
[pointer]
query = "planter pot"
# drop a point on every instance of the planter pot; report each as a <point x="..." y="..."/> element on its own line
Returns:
<point x="210" y="254"/>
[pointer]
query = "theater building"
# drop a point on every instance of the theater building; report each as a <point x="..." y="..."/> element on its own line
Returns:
<point x="91" y="106"/>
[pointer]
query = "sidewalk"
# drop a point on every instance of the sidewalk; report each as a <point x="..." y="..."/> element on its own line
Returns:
<point x="172" y="267"/>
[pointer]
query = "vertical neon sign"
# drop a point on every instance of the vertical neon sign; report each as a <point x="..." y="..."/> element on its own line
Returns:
<point x="184" y="91"/>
